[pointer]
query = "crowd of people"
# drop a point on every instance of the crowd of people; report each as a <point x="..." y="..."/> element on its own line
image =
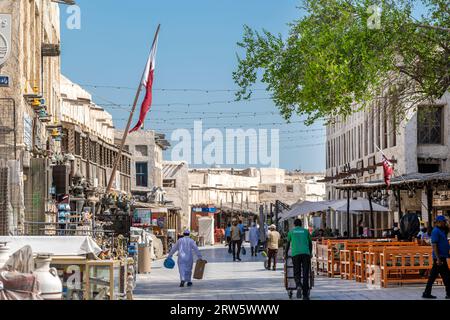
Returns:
<point x="299" y="249"/>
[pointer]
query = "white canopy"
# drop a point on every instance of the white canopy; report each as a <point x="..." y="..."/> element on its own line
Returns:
<point x="57" y="245"/>
<point x="359" y="204"/>
<point x="307" y="207"/>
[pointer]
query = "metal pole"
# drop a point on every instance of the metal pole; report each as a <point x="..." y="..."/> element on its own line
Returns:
<point x="399" y="199"/>
<point x="371" y="226"/>
<point x="348" y="213"/>
<point x="430" y="206"/>
<point x="125" y="134"/>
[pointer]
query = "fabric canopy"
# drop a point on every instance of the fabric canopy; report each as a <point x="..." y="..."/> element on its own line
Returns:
<point x="359" y="204"/>
<point x="58" y="246"/>
<point x="307" y="207"/>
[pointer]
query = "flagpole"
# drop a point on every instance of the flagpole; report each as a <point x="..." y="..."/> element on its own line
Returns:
<point x="130" y="119"/>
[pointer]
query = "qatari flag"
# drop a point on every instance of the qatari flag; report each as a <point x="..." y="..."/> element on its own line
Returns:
<point x="388" y="170"/>
<point x="147" y="83"/>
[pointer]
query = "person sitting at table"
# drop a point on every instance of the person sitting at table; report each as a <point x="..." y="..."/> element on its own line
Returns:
<point x="423" y="235"/>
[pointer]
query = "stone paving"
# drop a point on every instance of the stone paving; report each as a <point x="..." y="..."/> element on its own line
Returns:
<point x="248" y="280"/>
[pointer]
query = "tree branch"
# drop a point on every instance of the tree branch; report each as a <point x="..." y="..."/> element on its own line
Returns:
<point x="426" y="26"/>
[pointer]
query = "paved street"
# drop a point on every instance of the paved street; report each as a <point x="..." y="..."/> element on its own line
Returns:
<point x="248" y="280"/>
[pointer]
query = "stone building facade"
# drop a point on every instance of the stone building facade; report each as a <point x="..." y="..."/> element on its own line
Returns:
<point x="241" y="192"/>
<point x="418" y="144"/>
<point x="176" y="186"/>
<point x="29" y="107"/>
<point x="88" y="135"/>
<point x="290" y="186"/>
<point x="146" y="147"/>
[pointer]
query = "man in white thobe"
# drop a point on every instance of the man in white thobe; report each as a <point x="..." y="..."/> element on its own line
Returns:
<point x="254" y="238"/>
<point x="185" y="247"/>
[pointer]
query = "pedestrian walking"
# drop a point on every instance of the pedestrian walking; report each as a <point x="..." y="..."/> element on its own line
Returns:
<point x="241" y="226"/>
<point x="185" y="247"/>
<point x="441" y="248"/>
<point x="254" y="238"/>
<point x="236" y="240"/>
<point x="300" y="243"/>
<point x="273" y="239"/>
<point x="228" y="237"/>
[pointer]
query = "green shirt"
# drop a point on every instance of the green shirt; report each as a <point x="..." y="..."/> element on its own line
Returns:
<point x="300" y="238"/>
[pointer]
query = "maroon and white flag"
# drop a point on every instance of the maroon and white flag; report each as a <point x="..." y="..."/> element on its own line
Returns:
<point x="388" y="170"/>
<point x="147" y="82"/>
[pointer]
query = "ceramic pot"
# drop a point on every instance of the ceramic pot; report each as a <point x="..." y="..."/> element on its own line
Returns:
<point x="50" y="285"/>
<point x="4" y="254"/>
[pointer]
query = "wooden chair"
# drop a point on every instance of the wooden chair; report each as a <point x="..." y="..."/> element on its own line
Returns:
<point x="405" y="264"/>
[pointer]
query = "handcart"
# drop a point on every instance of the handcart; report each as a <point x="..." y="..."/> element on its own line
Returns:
<point x="289" y="279"/>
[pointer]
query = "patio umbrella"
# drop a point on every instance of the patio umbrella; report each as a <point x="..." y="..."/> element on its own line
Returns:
<point x="359" y="204"/>
<point x="305" y="207"/>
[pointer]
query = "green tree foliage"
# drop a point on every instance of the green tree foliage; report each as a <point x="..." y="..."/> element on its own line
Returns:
<point x="336" y="58"/>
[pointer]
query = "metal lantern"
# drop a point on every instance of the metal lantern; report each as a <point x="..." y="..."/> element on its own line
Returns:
<point x="42" y="113"/>
<point x="55" y="133"/>
<point x="36" y="103"/>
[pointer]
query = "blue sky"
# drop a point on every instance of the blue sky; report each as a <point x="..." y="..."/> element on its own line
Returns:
<point x="197" y="50"/>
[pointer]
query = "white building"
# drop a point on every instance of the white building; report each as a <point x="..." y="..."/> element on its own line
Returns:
<point x="78" y="108"/>
<point x="418" y="145"/>
<point x="241" y="192"/>
<point x="176" y="186"/>
<point x="88" y="135"/>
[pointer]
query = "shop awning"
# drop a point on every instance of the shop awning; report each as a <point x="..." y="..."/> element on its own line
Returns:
<point x="418" y="180"/>
<point x="307" y="207"/>
<point x="359" y="205"/>
<point x="153" y="207"/>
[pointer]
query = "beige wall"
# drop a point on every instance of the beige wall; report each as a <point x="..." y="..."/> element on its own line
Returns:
<point x="225" y="186"/>
<point x="178" y="171"/>
<point x="154" y="157"/>
<point x="78" y="108"/>
<point x="34" y="22"/>
<point x="406" y="149"/>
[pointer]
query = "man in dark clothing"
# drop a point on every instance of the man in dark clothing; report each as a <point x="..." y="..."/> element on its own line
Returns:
<point x="236" y="236"/>
<point x="300" y="240"/>
<point x="441" y="249"/>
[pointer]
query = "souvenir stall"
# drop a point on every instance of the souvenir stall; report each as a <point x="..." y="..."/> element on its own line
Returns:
<point x="74" y="266"/>
<point x="155" y="220"/>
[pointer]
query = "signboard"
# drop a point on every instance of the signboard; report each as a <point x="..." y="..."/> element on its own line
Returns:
<point x="142" y="216"/>
<point x="5" y="37"/>
<point x="4" y="81"/>
<point x="206" y="210"/>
